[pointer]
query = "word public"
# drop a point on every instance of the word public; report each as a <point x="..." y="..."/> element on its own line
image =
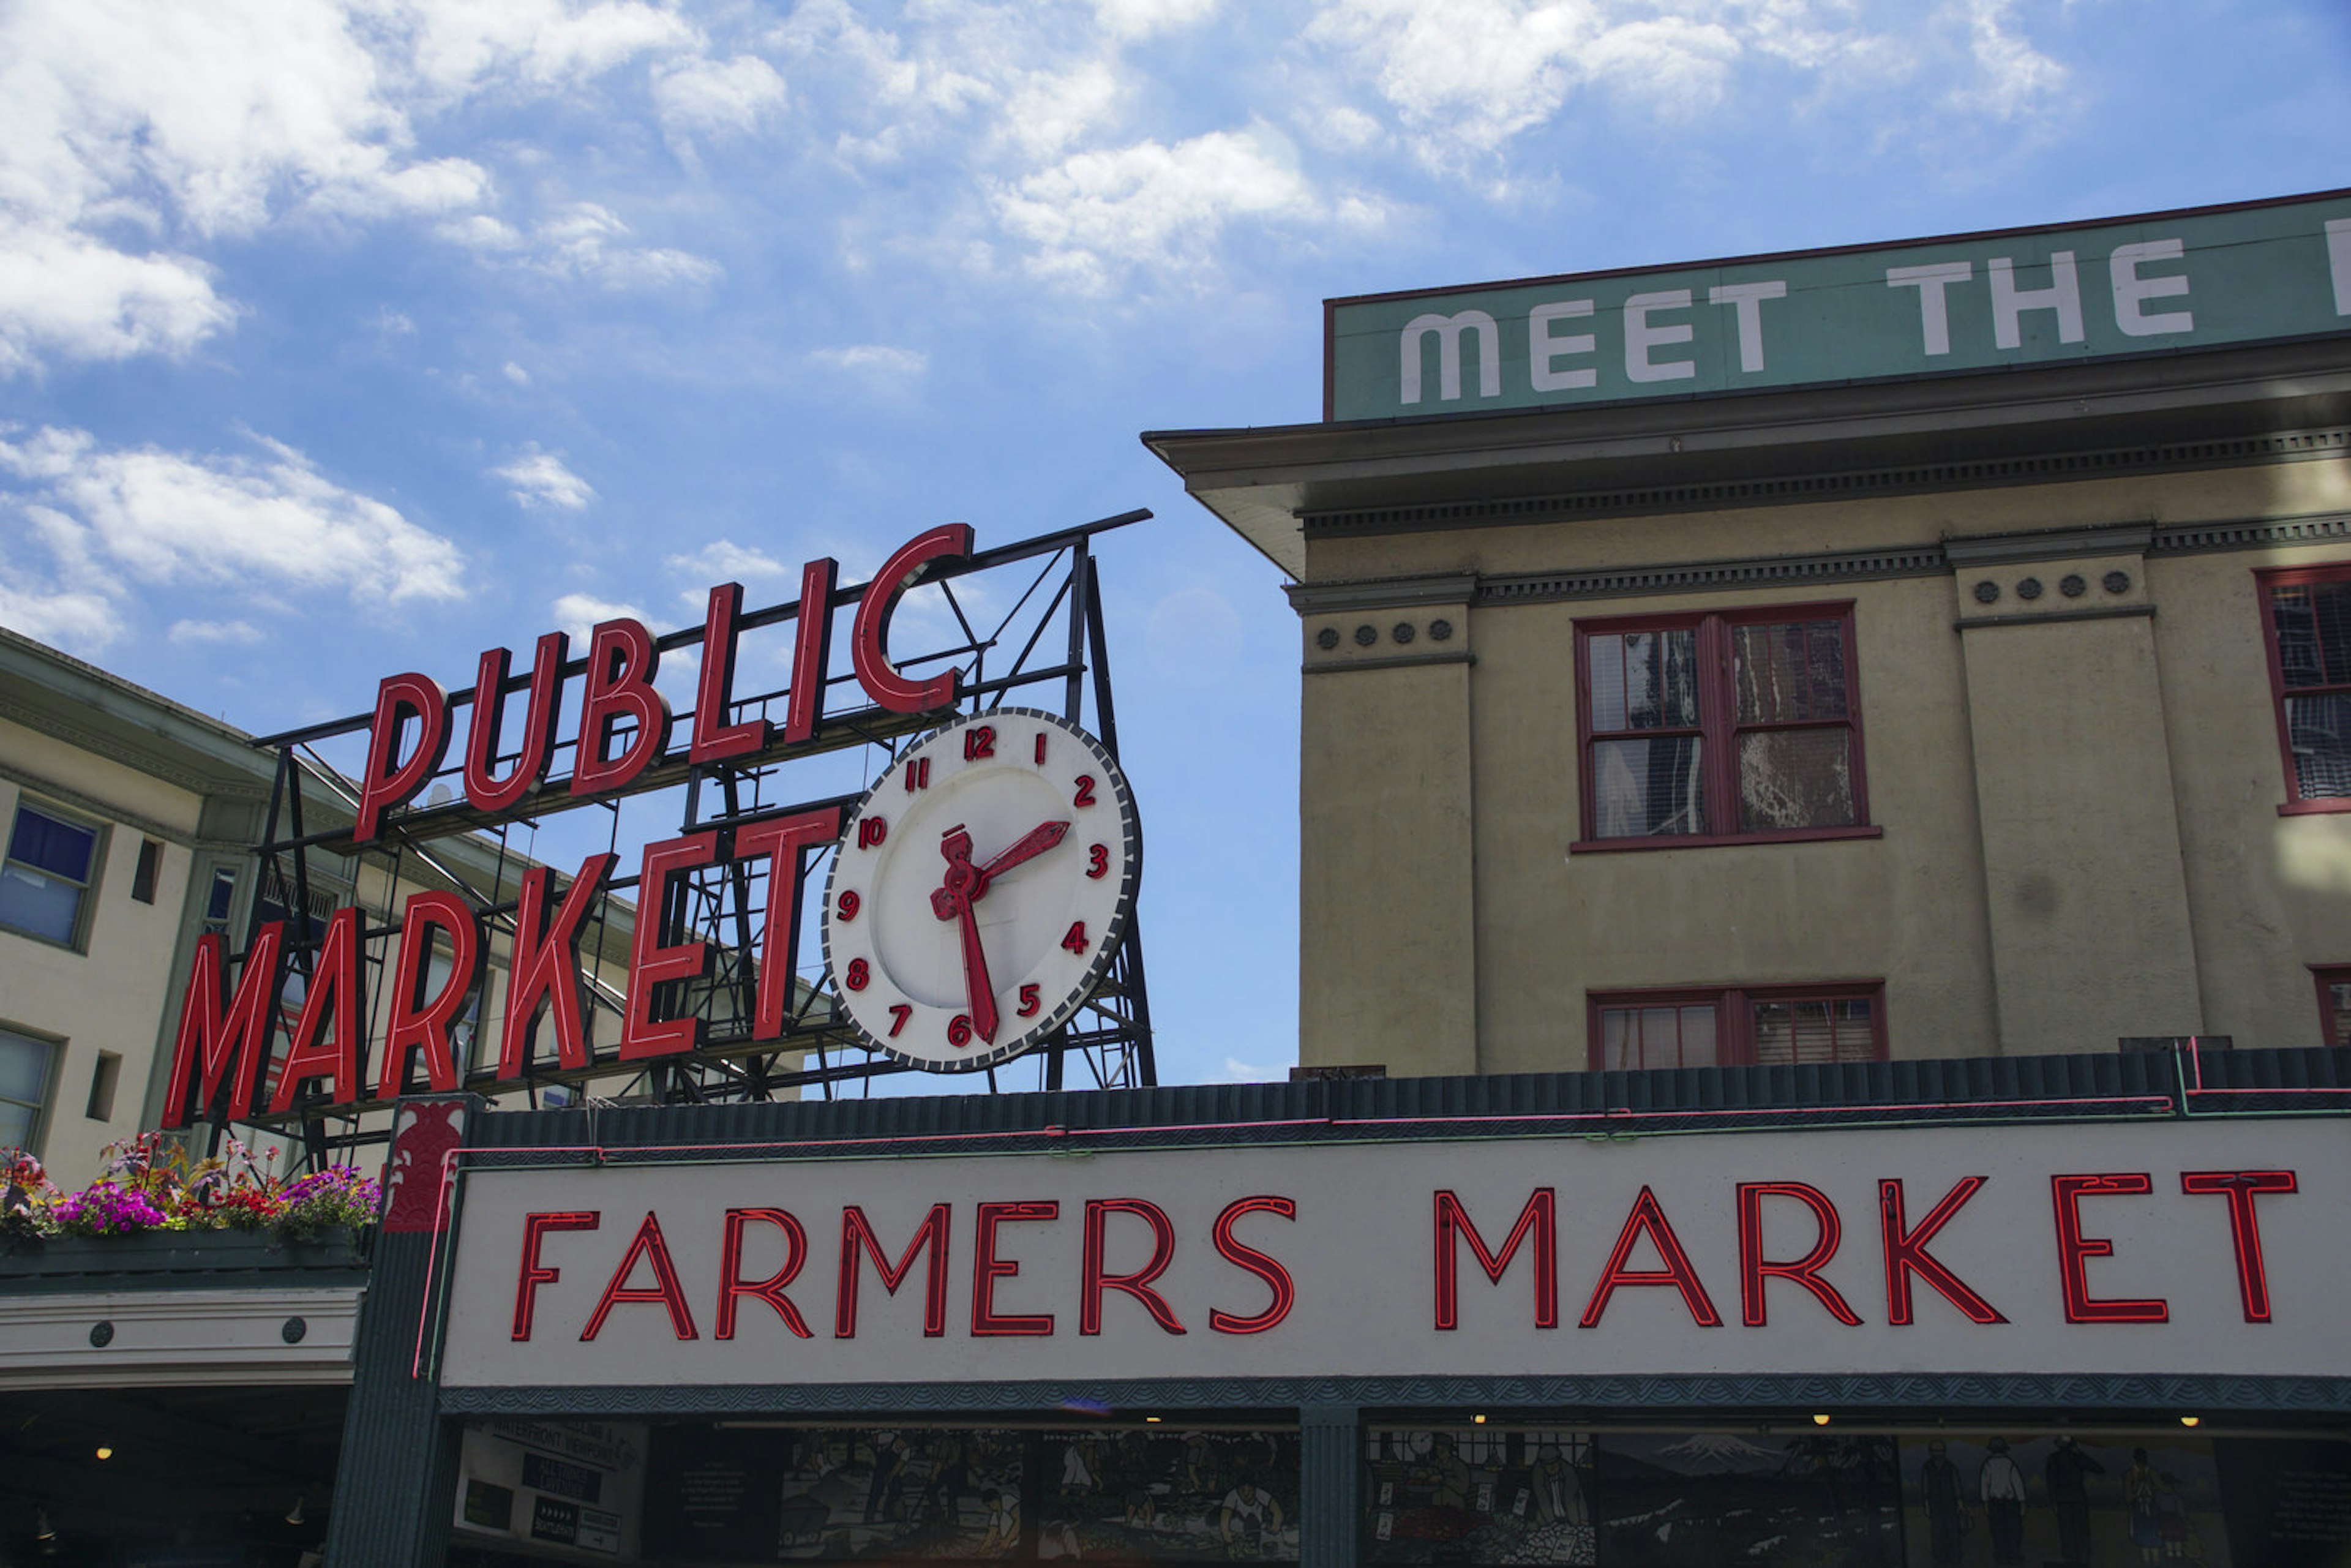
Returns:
<point x="224" y="1045"/>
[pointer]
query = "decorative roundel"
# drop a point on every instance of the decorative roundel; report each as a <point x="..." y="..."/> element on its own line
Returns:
<point x="980" y="888"/>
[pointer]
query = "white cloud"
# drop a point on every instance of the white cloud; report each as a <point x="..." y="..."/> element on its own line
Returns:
<point x="79" y="621"/>
<point x="877" y="362"/>
<point x="515" y="373"/>
<point x="540" y="479"/>
<point x="1096" y="215"/>
<point x="229" y="632"/>
<point x="253" y="526"/>
<point x="2017" y="79"/>
<point x="1240" y="1072"/>
<point x="581" y="242"/>
<point x="724" y="561"/>
<point x="132" y="135"/>
<point x="710" y="98"/>
<point x="580" y="613"/>
<point x="1141" y="18"/>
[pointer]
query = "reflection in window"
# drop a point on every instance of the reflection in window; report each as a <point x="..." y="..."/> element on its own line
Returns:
<point x="46" y="875"/>
<point x="24" y="1085"/>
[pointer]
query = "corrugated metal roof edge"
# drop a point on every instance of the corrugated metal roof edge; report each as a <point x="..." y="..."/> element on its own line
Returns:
<point x="1964" y="1090"/>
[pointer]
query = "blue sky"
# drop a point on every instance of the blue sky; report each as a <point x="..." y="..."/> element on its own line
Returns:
<point x="338" y="340"/>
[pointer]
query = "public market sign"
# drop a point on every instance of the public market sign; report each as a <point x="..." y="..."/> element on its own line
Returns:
<point x="223" y="1054"/>
<point x="2164" y="1247"/>
<point x="2206" y="277"/>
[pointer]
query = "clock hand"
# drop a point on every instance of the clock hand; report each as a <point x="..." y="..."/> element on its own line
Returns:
<point x="975" y="978"/>
<point x="1034" y="842"/>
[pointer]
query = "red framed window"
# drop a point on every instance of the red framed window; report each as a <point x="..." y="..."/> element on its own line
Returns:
<point x="1710" y="727"/>
<point x="2334" y="1001"/>
<point x="2306" y="620"/>
<point x="1738" y="1026"/>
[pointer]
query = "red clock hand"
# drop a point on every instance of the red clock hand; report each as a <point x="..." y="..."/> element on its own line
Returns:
<point x="952" y="901"/>
<point x="1034" y="842"/>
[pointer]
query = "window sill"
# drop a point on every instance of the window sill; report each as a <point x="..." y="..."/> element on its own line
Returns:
<point x="2315" y="807"/>
<point x="1715" y="840"/>
<point x="81" y="949"/>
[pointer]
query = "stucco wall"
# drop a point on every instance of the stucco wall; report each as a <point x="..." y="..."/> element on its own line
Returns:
<point x="2080" y="833"/>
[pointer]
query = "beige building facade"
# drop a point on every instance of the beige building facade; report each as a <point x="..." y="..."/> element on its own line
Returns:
<point x="129" y="823"/>
<point x="1990" y="713"/>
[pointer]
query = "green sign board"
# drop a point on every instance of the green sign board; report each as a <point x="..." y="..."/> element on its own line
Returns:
<point x="2195" y="279"/>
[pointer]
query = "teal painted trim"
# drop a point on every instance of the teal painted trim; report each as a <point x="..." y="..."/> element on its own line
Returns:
<point x="1967" y="1091"/>
<point x="2129" y="287"/>
<point x="1330" y="1485"/>
<point x="1888" y="1396"/>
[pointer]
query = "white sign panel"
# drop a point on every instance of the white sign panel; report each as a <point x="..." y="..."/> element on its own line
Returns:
<point x="573" y="1490"/>
<point x="2113" y="1249"/>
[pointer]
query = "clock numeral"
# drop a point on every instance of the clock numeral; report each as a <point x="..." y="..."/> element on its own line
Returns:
<point x="1076" y="939"/>
<point x="850" y="903"/>
<point x="1097" y="862"/>
<point x="918" y="773"/>
<point x="899" y="1013"/>
<point x="1030" y="1001"/>
<point x="872" y="830"/>
<point x="1041" y="749"/>
<point x="959" y="1029"/>
<point x="979" y="741"/>
<point x="1086" y="795"/>
<point x="860" y="975"/>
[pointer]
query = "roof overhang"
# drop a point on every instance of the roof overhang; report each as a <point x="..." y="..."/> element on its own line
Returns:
<point x="1264" y="483"/>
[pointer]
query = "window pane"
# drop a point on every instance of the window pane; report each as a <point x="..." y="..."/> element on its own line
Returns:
<point x="1642" y="788"/>
<point x="1616" y="1034"/>
<point x="37" y="905"/>
<point x="1793" y="671"/>
<point x="1793" y="1032"/>
<point x="2331" y="608"/>
<point x="24" y="1069"/>
<point x="2320" y="731"/>
<point x="1644" y="680"/>
<point x="1795" y="779"/>
<point x="45" y="844"/>
<point x="1697" y="1035"/>
<point x="2338" y="1012"/>
<point x="15" y="1126"/>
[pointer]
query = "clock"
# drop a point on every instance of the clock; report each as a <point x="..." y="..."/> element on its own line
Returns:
<point x="980" y="888"/>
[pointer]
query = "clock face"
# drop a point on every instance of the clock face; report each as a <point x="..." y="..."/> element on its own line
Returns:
<point x="980" y="888"/>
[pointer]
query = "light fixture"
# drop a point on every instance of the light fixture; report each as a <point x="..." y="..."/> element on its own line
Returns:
<point x="105" y="1451"/>
<point x="293" y="1514"/>
<point x="1820" y="1420"/>
<point x="2190" y="1421"/>
<point x="1477" y="1420"/>
<point x="1153" y="1419"/>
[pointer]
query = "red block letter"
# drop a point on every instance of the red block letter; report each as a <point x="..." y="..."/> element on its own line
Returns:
<point x="731" y="1283"/>
<point x="1138" y="1283"/>
<point x="1907" y="1254"/>
<point x="1540" y="1217"/>
<point x="651" y="964"/>
<point x="1276" y="1276"/>
<point x="387" y="782"/>
<point x="534" y="1273"/>
<point x="2075" y="1251"/>
<point x="649" y="1246"/>
<point x="622" y="661"/>
<point x="1648" y="1218"/>
<point x="856" y="1234"/>
<point x="2244" y="1226"/>
<point x="1754" y="1268"/>
<point x="714" y="738"/>
<point x="334" y="994"/>
<point x="783" y="840"/>
<point x="987" y="1268"/>
<point x="869" y="633"/>
<point x="811" y="649"/>
<point x="222" y="1039"/>
<point x="485" y="792"/>
<point x="546" y="966"/>
<point x="416" y="1023"/>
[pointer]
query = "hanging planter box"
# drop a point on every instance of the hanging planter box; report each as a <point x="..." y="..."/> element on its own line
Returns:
<point x="154" y="1257"/>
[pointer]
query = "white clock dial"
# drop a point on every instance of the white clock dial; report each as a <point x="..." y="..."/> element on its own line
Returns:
<point x="981" y="889"/>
